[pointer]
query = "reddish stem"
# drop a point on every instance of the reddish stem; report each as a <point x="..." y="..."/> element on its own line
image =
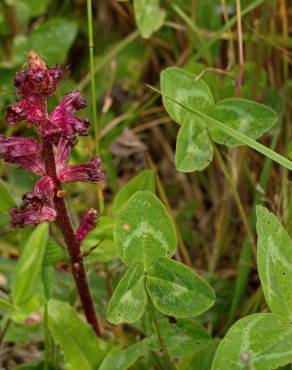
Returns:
<point x="73" y="245"/>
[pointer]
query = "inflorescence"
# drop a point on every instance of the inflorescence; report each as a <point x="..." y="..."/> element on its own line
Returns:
<point x="60" y="128"/>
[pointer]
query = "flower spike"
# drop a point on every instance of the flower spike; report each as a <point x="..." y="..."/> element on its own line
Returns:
<point x="58" y="132"/>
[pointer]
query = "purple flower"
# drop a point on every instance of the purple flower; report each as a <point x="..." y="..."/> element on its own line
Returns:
<point x="22" y="151"/>
<point x="88" y="172"/>
<point x="37" y="206"/>
<point x="62" y="153"/>
<point x="42" y="193"/>
<point x="63" y="116"/>
<point x="29" y="109"/>
<point x="87" y="224"/>
<point x="11" y="147"/>
<point x="21" y="217"/>
<point x="31" y="163"/>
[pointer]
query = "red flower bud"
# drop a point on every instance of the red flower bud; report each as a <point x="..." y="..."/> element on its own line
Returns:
<point x="87" y="224"/>
<point x="90" y="171"/>
<point x="37" y="78"/>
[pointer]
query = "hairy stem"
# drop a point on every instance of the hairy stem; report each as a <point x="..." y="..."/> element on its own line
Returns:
<point x="73" y="245"/>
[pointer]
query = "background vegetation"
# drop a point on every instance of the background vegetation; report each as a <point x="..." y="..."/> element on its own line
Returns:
<point x="213" y="209"/>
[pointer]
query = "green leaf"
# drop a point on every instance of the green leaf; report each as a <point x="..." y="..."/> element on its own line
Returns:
<point x="123" y="359"/>
<point x="28" y="270"/>
<point x="104" y="230"/>
<point x="27" y="9"/>
<point x="201" y="360"/>
<point x="260" y="342"/>
<point x="129" y="299"/>
<point x="237" y="135"/>
<point x="6" y="200"/>
<point x="182" y="86"/>
<point x="20" y="333"/>
<point x="144" y="181"/>
<point x="47" y="279"/>
<point x="246" y="116"/>
<point x="144" y="231"/>
<point x="54" y="253"/>
<point x="5" y="304"/>
<point x="52" y="39"/>
<point x="194" y="150"/>
<point x="274" y="263"/>
<point x="178" y="291"/>
<point x="81" y="347"/>
<point x="184" y="337"/>
<point x="102" y="238"/>
<point x="149" y="16"/>
<point x="105" y="251"/>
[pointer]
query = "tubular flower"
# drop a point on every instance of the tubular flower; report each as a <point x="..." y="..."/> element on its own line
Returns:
<point x="62" y="153"/>
<point x="21" y="217"/>
<point x="22" y="151"/>
<point x="29" y="109"/>
<point x="11" y="147"/>
<point x="63" y="116"/>
<point x="85" y="172"/>
<point x="58" y="131"/>
<point x="31" y="163"/>
<point x="42" y="193"/>
<point x="87" y="224"/>
<point x="37" y="206"/>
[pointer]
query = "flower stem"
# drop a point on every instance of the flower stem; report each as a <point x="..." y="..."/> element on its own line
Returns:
<point x="73" y="245"/>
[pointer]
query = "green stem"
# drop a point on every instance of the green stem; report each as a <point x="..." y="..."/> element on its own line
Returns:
<point x="159" y="334"/>
<point x="4" y="330"/>
<point x="96" y="124"/>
